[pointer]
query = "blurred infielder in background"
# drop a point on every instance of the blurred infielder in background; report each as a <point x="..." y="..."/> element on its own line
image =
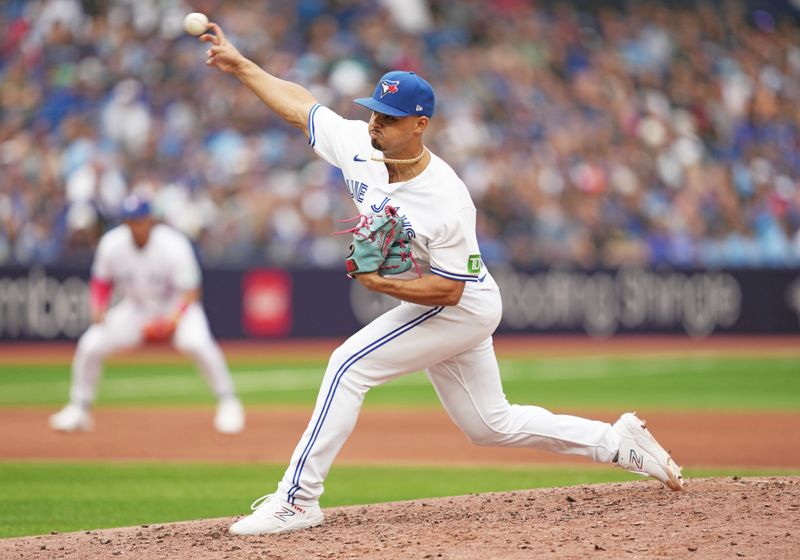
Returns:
<point x="155" y="270"/>
<point x="446" y="317"/>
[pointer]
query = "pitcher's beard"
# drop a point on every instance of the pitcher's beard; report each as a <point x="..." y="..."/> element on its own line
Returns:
<point x="376" y="144"/>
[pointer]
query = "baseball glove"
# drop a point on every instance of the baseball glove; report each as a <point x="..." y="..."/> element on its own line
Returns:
<point x="379" y="245"/>
<point x="158" y="330"/>
<point x="398" y="260"/>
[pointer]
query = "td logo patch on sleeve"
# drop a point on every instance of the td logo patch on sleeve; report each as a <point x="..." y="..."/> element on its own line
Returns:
<point x="474" y="264"/>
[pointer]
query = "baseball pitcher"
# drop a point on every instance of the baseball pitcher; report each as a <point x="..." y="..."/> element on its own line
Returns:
<point x="450" y="305"/>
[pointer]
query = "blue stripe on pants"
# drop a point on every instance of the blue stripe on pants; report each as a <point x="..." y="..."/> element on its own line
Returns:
<point x="337" y="378"/>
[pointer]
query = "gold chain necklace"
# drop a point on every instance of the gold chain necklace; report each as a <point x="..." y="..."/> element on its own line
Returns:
<point x="390" y="160"/>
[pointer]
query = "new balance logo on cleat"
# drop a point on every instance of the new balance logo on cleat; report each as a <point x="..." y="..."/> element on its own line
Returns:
<point x="284" y="513"/>
<point x="638" y="444"/>
<point x="637" y="460"/>
<point x="272" y="514"/>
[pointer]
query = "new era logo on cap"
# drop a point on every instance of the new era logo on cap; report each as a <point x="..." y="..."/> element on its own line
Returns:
<point x="401" y="94"/>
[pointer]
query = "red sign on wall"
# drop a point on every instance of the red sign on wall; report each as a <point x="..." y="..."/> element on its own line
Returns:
<point x="267" y="303"/>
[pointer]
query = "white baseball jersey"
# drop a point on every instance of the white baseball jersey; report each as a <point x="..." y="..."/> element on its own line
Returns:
<point x="452" y="344"/>
<point x="154" y="277"/>
<point x="151" y="281"/>
<point x="435" y="206"/>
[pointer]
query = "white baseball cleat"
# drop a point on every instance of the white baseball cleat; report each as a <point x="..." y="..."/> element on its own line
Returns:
<point x="640" y="453"/>
<point x="72" y="418"/>
<point x="272" y="514"/>
<point x="229" y="418"/>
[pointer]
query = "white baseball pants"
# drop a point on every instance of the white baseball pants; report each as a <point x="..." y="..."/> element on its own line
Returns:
<point x="454" y="347"/>
<point x="122" y="329"/>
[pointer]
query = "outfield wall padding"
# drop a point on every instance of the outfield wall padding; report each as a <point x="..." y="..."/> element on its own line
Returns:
<point x="51" y="303"/>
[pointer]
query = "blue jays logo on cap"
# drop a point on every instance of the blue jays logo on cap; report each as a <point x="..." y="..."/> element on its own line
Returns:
<point x="401" y="94"/>
<point x="389" y="86"/>
<point x="134" y="207"/>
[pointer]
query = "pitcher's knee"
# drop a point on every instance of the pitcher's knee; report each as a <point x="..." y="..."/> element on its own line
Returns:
<point x="350" y="371"/>
<point x="494" y="431"/>
<point x="340" y="357"/>
<point x="486" y="436"/>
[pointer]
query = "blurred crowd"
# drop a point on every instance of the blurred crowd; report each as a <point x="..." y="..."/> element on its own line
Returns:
<point x="594" y="134"/>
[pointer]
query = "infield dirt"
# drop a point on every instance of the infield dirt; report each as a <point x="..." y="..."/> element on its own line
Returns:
<point x="387" y="436"/>
<point x="714" y="518"/>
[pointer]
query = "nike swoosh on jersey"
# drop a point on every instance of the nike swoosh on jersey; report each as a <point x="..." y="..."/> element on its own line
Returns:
<point x="356" y="158"/>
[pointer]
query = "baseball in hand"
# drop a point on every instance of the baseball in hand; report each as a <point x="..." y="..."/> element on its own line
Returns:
<point x="195" y="23"/>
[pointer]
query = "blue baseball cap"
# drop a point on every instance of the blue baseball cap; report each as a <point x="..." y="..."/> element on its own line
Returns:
<point x="134" y="207"/>
<point x="401" y="94"/>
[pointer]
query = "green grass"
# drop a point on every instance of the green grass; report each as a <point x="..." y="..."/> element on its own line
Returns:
<point x="37" y="498"/>
<point x="598" y="382"/>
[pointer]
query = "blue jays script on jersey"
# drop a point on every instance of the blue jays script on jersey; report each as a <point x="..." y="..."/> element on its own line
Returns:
<point x="435" y="206"/>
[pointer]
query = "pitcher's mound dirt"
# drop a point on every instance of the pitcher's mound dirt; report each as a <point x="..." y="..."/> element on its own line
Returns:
<point x="714" y="518"/>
